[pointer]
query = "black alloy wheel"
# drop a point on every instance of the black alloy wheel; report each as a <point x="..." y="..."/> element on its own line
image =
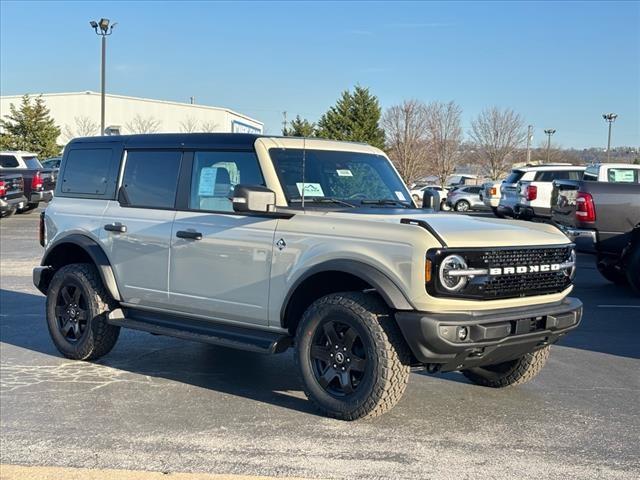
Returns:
<point x="71" y="312"/>
<point x="338" y="356"/>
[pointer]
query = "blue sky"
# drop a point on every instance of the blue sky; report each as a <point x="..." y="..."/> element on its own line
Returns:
<point x="560" y="65"/>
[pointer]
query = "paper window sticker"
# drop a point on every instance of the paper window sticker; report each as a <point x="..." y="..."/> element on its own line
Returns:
<point x="207" y="182"/>
<point x="401" y="196"/>
<point x="310" y="189"/>
<point x="344" y="172"/>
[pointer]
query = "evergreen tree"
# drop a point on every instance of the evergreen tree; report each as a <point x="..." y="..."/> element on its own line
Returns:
<point x="30" y="128"/>
<point x="300" y="127"/>
<point x="355" y="117"/>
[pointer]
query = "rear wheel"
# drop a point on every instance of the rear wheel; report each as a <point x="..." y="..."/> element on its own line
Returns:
<point x="463" y="206"/>
<point x="611" y="270"/>
<point x="7" y="213"/>
<point x="496" y="212"/>
<point x="513" y="372"/>
<point x="77" y="307"/>
<point x="352" y="357"/>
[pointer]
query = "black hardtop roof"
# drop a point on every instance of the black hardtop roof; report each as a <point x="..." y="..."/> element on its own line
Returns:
<point x="175" y="140"/>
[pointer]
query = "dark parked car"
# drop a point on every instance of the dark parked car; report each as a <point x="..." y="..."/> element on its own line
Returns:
<point x="11" y="194"/>
<point x="39" y="182"/>
<point x="604" y="219"/>
<point x="53" y="163"/>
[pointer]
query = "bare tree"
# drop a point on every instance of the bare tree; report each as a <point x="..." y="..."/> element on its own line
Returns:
<point x="405" y="128"/>
<point x="140" y="124"/>
<point x="84" y="127"/>
<point x="445" y="136"/>
<point x="209" y="126"/>
<point x="498" y="134"/>
<point x="189" y="125"/>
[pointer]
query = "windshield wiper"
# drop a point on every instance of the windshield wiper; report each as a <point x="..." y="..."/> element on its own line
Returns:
<point x="386" y="201"/>
<point x="326" y="200"/>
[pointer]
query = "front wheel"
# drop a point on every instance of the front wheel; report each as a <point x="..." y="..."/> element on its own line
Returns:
<point x="513" y="372"/>
<point x="351" y="355"/>
<point x="463" y="206"/>
<point x="496" y="212"/>
<point x="633" y="268"/>
<point x="77" y="307"/>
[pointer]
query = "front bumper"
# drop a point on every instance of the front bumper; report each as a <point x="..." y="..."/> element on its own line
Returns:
<point x="11" y="203"/>
<point x="492" y="337"/>
<point x="44" y="196"/>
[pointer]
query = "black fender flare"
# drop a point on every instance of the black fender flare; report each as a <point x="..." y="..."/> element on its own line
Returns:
<point x="97" y="255"/>
<point x="383" y="285"/>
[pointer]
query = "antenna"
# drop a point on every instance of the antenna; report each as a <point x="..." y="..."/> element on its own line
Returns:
<point x="304" y="161"/>
<point x="284" y="123"/>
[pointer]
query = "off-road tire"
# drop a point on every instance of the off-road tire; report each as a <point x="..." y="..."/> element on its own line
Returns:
<point x="611" y="272"/>
<point x="463" y="206"/>
<point x="99" y="337"/>
<point x="388" y="356"/>
<point x="511" y="373"/>
<point x="632" y="268"/>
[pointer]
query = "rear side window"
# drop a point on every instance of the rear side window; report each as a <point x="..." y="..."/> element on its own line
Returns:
<point x="473" y="189"/>
<point x="86" y="171"/>
<point x="8" y="161"/>
<point x="32" y="162"/>
<point x="550" y="175"/>
<point x="514" y="176"/>
<point x="150" y="178"/>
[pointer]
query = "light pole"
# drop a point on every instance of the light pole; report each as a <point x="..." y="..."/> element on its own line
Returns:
<point x="529" y="138"/>
<point x="549" y="132"/>
<point x="103" y="29"/>
<point x="609" y="117"/>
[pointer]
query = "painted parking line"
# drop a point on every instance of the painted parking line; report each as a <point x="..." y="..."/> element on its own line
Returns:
<point x="15" y="472"/>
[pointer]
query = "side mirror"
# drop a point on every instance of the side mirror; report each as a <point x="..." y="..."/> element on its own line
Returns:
<point x="431" y="200"/>
<point x="252" y="198"/>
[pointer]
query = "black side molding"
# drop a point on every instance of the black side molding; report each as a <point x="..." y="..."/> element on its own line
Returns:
<point x="426" y="226"/>
<point x="204" y="331"/>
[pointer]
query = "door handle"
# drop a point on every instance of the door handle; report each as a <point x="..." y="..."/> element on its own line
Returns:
<point x="188" y="234"/>
<point x="115" y="227"/>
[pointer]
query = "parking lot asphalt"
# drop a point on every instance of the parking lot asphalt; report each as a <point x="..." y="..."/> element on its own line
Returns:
<point x="166" y="405"/>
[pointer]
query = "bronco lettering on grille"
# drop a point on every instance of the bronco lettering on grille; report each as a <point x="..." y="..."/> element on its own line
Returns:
<point x="552" y="267"/>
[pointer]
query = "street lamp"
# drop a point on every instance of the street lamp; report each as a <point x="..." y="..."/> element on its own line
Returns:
<point x="609" y="117"/>
<point x="103" y="29"/>
<point x="549" y="132"/>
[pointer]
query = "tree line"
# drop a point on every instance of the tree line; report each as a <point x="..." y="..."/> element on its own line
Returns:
<point x="428" y="139"/>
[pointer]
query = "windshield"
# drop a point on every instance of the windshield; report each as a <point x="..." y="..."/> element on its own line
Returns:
<point x="356" y="178"/>
<point x="32" y="162"/>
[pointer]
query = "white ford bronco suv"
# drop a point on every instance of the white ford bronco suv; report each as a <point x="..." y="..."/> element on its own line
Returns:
<point x="264" y="243"/>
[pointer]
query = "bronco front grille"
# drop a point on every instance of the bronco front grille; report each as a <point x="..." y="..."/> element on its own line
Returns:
<point x="505" y="285"/>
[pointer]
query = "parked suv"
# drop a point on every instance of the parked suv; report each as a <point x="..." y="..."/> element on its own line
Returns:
<point x="264" y="243"/>
<point x="526" y="192"/>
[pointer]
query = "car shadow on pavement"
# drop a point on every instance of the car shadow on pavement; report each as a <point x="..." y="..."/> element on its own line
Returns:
<point x="270" y="379"/>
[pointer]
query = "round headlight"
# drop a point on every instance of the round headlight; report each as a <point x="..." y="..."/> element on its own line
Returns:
<point x="452" y="283"/>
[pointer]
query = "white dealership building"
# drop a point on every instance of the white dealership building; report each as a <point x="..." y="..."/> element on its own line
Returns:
<point x="78" y="114"/>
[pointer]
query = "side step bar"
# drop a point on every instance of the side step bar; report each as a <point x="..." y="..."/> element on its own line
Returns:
<point x="188" y="328"/>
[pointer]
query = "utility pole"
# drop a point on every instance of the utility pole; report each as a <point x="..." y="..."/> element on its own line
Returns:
<point x="102" y="28"/>
<point x="609" y="117"/>
<point x="284" y="122"/>
<point x="549" y="132"/>
<point x="529" y="139"/>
